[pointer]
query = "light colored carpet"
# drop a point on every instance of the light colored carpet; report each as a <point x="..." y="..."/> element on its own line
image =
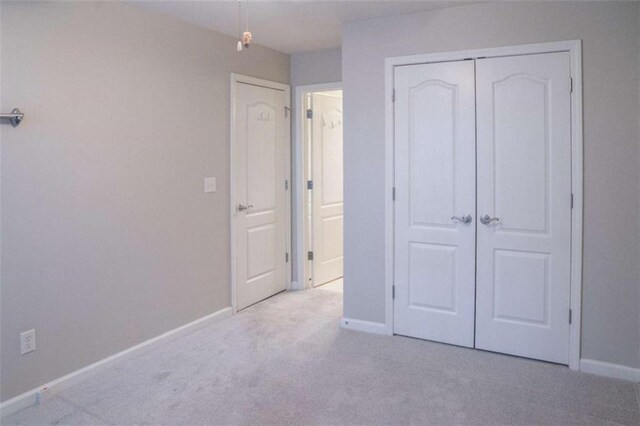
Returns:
<point x="286" y="361"/>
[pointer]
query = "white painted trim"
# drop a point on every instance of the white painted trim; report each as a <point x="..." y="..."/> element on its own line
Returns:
<point x="608" y="369"/>
<point x="364" y="326"/>
<point x="574" y="47"/>
<point x="239" y="78"/>
<point x="32" y="396"/>
<point x="389" y="183"/>
<point x="525" y="49"/>
<point x="232" y="190"/>
<point x="575" y="50"/>
<point x="299" y="111"/>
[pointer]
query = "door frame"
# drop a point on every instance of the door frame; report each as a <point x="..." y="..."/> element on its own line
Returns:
<point x="574" y="48"/>
<point x="301" y="281"/>
<point x="240" y="78"/>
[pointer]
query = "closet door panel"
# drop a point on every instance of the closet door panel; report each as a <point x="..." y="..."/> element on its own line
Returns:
<point x="524" y="189"/>
<point x="435" y="182"/>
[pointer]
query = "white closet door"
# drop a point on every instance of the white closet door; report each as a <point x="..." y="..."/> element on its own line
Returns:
<point x="435" y="181"/>
<point x="260" y="168"/>
<point x="327" y="188"/>
<point x="524" y="180"/>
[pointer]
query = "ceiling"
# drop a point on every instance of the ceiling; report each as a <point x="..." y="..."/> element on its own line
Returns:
<point x="289" y="26"/>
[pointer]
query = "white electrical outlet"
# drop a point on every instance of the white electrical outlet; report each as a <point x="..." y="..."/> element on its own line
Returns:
<point x="27" y="341"/>
<point x="209" y="184"/>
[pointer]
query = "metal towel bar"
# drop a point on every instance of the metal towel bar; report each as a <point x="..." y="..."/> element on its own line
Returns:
<point x="15" y="116"/>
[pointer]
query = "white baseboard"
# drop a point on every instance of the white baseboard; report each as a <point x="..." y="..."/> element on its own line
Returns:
<point x="47" y="390"/>
<point x="615" y="371"/>
<point x="365" y="326"/>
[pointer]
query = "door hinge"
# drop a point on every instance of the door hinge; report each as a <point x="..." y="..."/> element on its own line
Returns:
<point x="309" y="113"/>
<point x="286" y="184"/>
<point x="570" y="84"/>
<point x="393" y="95"/>
<point x="309" y="184"/>
<point x="393" y="193"/>
<point x="572" y="200"/>
<point x="286" y="257"/>
<point x="393" y="291"/>
<point x="570" y="316"/>
<point x="286" y="111"/>
<point x="310" y="255"/>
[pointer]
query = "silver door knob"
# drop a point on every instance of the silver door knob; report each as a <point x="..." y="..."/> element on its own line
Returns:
<point x="242" y="207"/>
<point x="486" y="219"/>
<point x="466" y="219"/>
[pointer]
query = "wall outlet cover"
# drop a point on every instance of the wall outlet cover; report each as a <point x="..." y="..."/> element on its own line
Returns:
<point x="27" y="341"/>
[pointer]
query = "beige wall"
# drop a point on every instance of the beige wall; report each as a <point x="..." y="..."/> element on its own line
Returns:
<point x="317" y="66"/>
<point x="107" y="236"/>
<point x="610" y="34"/>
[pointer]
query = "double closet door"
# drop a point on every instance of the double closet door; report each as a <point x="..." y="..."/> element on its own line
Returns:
<point x="483" y="204"/>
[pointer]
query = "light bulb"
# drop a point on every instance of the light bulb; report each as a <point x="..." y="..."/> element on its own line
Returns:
<point x="246" y="39"/>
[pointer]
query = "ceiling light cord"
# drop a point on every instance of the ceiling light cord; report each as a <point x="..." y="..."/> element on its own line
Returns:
<point x="239" y="47"/>
<point x="245" y="38"/>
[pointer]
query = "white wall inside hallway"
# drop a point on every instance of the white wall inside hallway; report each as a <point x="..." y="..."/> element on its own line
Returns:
<point x="307" y="68"/>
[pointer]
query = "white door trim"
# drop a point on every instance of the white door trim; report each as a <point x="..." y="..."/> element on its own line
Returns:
<point x="574" y="47"/>
<point x="301" y="281"/>
<point x="239" y="78"/>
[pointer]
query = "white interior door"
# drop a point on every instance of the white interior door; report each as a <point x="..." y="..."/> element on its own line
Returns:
<point x="435" y="183"/>
<point x="260" y="173"/>
<point x="524" y="180"/>
<point x="327" y="198"/>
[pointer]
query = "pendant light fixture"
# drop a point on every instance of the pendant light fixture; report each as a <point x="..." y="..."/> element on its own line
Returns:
<point x="245" y="37"/>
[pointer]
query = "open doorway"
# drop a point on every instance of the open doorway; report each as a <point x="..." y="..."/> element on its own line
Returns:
<point x="320" y="203"/>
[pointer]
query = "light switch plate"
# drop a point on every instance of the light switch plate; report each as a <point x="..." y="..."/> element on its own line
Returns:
<point x="209" y="184"/>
